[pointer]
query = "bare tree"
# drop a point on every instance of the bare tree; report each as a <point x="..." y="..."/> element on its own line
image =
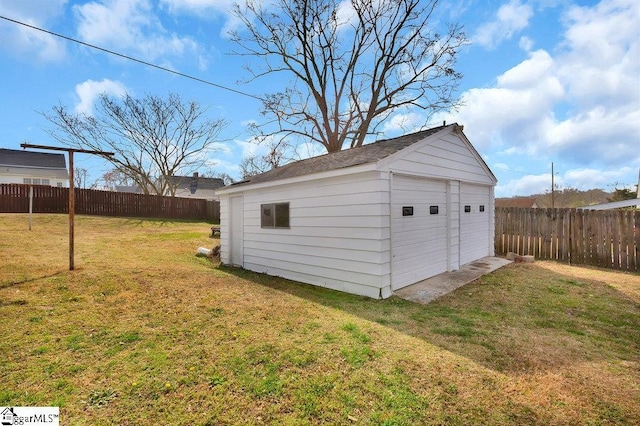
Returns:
<point x="80" y="176"/>
<point x="153" y="138"/>
<point x="115" y="177"/>
<point x="226" y="178"/>
<point x="279" y="152"/>
<point x="353" y="63"/>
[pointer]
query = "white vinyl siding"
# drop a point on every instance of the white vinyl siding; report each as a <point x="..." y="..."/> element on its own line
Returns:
<point x="236" y="217"/>
<point x="454" y="226"/>
<point x="419" y="242"/>
<point x="232" y="226"/>
<point x="475" y="229"/>
<point x="338" y="233"/>
<point x="28" y="175"/>
<point x="445" y="158"/>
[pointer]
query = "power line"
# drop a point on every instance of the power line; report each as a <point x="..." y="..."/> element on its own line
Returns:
<point x="149" y="64"/>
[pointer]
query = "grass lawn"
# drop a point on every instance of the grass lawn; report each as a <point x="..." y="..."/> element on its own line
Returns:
<point x="144" y="332"/>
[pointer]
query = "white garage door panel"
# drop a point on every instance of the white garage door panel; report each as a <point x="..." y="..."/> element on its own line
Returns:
<point x="474" y="226"/>
<point x="419" y="242"/>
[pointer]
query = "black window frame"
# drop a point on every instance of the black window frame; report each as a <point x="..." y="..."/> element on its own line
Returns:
<point x="278" y="213"/>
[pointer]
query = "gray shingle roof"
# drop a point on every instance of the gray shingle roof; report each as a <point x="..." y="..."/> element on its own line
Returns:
<point x="19" y="158"/>
<point x="184" y="182"/>
<point x="365" y="154"/>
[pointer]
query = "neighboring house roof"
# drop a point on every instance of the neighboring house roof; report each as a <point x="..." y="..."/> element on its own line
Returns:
<point x="19" y="158"/>
<point x="366" y="154"/>
<point x="129" y="189"/>
<point x="202" y="183"/>
<point x="613" y="205"/>
<point x="518" y="202"/>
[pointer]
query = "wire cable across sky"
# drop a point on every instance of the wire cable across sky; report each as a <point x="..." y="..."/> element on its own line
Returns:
<point x="140" y="61"/>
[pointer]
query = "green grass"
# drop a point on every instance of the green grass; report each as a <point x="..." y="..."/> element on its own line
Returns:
<point x="145" y="332"/>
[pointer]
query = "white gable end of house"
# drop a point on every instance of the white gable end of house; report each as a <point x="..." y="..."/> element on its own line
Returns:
<point x="370" y="228"/>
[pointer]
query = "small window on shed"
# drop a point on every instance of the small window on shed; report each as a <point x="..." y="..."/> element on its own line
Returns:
<point x="274" y="215"/>
<point x="433" y="209"/>
<point x="467" y="209"/>
<point x="26" y="180"/>
<point x="482" y="207"/>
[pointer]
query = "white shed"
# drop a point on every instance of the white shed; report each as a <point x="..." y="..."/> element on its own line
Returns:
<point x="367" y="220"/>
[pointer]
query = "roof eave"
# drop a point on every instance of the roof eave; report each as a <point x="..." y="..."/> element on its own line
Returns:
<point x="238" y="188"/>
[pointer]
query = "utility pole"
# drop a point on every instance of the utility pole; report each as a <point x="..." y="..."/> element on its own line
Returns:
<point x="553" y="189"/>
<point x="638" y="190"/>
<point x="72" y="202"/>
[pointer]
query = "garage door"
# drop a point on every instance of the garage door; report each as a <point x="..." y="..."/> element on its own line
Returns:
<point x="418" y="229"/>
<point x="474" y="222"/>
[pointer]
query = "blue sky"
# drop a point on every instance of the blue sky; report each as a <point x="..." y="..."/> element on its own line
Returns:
<point x="544" y="81"/>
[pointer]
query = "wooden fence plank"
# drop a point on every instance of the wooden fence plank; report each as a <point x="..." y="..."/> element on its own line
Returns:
<point x="14" y="198"/>
<point x="605" y="237"/>
<point x="616" y="238"/>
<point x="624" y="240"/>
<point x="632" y="246"/>
<point x="608" y="239"/>
<point x="636" y="239"/>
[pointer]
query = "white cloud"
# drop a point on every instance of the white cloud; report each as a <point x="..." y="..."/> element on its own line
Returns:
<point x="601" y="61"/>
<point x="580" y="106"/>
<point x="581" y="178"/>
<point x="533" y="184"/>
<point x="207" y="9"/>
<point x="26" y="41"/>
<point x="198" y="6"/>
<point x="587" y="178"/>
<point x="345" y="13"/>
<point x="403" y="123"/>
<point x="511" y="112"/>
<point x="510" y="19"/>
<point x="218" y="165"/>
<point x="252" y="147"/>
<point x="526" y="44"/>
<point x="90" y="90"/>
<point x="130" y="26"/>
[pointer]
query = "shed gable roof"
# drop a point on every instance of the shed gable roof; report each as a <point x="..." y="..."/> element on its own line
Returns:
<point x="19" y="158"/>
<point x="366" y="154"/>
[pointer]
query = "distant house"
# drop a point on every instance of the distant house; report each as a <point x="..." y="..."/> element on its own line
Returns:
<point x="193" y="186"/>
<point x="135" y="189"/>
<point x="37" y="168"/>
<point x="196" y="186"/>
<point x="367" y="220"/>
<point x="518" y="202"/>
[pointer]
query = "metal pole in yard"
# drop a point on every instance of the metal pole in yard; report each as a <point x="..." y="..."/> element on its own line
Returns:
<point x="30" y="204"/>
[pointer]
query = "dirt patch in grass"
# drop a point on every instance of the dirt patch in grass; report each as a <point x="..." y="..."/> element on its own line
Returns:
<point x="145" y="332"/>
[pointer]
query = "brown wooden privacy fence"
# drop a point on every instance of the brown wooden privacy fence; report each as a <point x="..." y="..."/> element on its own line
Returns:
<point x="605" y="238"/>
<point x="14" y="198"/>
